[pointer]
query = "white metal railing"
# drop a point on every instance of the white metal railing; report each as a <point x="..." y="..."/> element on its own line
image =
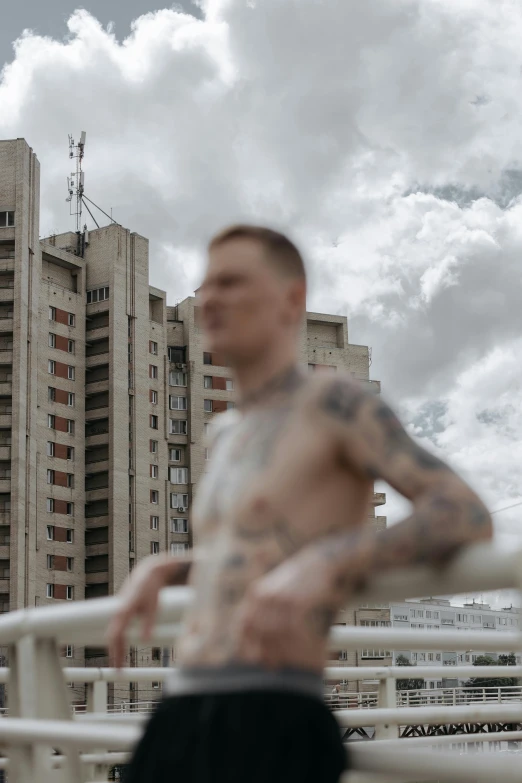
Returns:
<point x="40" y="718"/>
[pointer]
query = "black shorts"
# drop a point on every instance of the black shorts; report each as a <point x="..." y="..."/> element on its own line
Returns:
<point x="254" y="736"/>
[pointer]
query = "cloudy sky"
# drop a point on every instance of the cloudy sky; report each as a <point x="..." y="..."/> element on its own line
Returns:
<point x="384" y="136"/>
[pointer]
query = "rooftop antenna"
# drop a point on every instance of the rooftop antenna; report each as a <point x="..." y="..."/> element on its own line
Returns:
<point x="75" y="182"/>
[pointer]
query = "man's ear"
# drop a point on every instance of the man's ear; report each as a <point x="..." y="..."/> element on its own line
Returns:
<point x="297" y="300"/>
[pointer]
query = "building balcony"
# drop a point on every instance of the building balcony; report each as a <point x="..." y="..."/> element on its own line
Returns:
<point x="5" y="485"/>
<point x="6" y="323"/>
<point x="4" y="585"/>
<point x="96" y="578"/>
<point x="5" y="452"/>
<point x="7" y="262"/>
<point x="97" y="385"/>
<point x="97" y="440"/>
<point x="96" y="520"/>
<point x="5" y="551"/>
<point x="97" y="413"/>
<point x="5" y="517"/>
<point x="97" y="358"/>
<point x="6" y="388"/>
<point x="379" y="499"/>
<point x="6" y="294"/>
<point x="97" y="332"/>
<point x="5" y="419"/>
<point x="94" y="550"/>
<point x="373" y="386"/>
<point x="100" y="493"/>
<point x="6" y="355"/>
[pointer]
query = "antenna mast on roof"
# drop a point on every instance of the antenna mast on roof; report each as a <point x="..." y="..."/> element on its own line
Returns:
<point x="75" y="183"/>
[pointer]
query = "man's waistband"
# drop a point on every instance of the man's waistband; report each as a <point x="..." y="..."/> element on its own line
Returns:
<point x="197" y="680"/>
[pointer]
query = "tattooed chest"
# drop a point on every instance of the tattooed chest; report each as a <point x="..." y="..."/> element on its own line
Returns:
<point x="241" y="454"/>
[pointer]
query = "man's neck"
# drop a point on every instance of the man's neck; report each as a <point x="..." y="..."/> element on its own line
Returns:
<point x="260" y="384"/>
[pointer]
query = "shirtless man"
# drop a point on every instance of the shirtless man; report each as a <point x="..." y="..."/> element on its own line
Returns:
<point x="282" y="537"/>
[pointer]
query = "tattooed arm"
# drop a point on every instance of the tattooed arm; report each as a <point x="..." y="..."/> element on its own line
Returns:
<point x="446" y="515"/>
<point x="289" y="612"/>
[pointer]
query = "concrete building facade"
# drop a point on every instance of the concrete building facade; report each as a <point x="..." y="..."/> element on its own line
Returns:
<point x="105" y="396"/>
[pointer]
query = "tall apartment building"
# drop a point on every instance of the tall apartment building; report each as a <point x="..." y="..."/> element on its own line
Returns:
<point x="105" y="395"/>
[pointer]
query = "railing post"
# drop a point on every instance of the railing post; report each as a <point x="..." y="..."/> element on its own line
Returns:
<point x="387" y="700"/>
<point x="37" y="690"/>
<point x="97" y="701"/>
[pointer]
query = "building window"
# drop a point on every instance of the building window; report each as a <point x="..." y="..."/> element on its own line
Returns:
<point x="52" y="340"/>
<point x="154" y="496"/>
<point x="156" y="653"/>
<point x="52" y="313"/>
<point x="69" y="508"/>
<point x="70" y="319"/>
<point x="207" y="381"/>
<point x="51" y="367"/>
<point x="70" y="535"/>
<point x="50" y="532"/>
<point x="70" y="399"/>
<point x="70" y="452"/>
<point x="49" y="591"/>
<point x="179" y="475"/>
<point x="230" y="405"/>
<point x="51" y="393"/>
<point x="70" y="480"/>
<point x="153" y="347"/>
<point x="179" y="500"/>
<point x="50" y="561"/>
<point x="50" y="448"/>
<point x="175" y="455"/>
<point x="154" y="422"/>
<point x="177" y="354"/>
<point x="98" y="295"/>
<point x="178" y="525"/>
<point x="7" y="219"/>
<point x="205" y="428"/>
<point x="207" y="406"/>
<point x="50" y="476"/>
<point x="178" y="427"/>
<point x="154" y="397"/>
<point x="69" y="592"/>
<point x="154" y="547"/>
<point x="153" y="446"/>
<point x="156" y="685"/>
<point x="50" y="421"/>
<point x="50" y="505"/>
<point x="70" y="563"/>
<point x="178" y="549"/>
<point x="207" y="358"/>
<point x="229" y="384"/>
<point x="178" y="403"/>
<point x="70" y="372"/>
<point x="154" y="471"/>
<point x="154" y="523"/>
<point x="70" y="346"/>
<point x="69" y="651"/>
<point x="177" y="378"/>
<point x="70" y="426"/>
<point x="153" y="371"/>
<point x="207" y="454"/>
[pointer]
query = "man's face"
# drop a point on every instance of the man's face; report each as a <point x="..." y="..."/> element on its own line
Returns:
<point x="246" y="305"/>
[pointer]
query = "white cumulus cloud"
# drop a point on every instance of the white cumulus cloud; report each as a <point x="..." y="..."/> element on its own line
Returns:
<point x="385" y="136"/>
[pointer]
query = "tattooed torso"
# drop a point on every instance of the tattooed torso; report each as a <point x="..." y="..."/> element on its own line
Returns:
<point x="275" y="484"/>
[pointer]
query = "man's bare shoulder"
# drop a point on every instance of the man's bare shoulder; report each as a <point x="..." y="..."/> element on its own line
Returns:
<point x="339" y="394"/>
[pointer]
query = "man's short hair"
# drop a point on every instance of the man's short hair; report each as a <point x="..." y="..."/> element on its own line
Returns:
<point x="281" y="252"/>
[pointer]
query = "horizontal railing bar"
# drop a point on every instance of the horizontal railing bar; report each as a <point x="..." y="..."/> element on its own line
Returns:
<point x="418" y="672"/>
<point x="20" y="731"/>
<point x="117" y="757"/>
<point x="357" y="637"/>
<point x="111" y="717"/>
<point x="482" y="567"/>
<point x="405" y="716"/>
<point x="443" y="767"/>
<point x="479" y="568"/>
